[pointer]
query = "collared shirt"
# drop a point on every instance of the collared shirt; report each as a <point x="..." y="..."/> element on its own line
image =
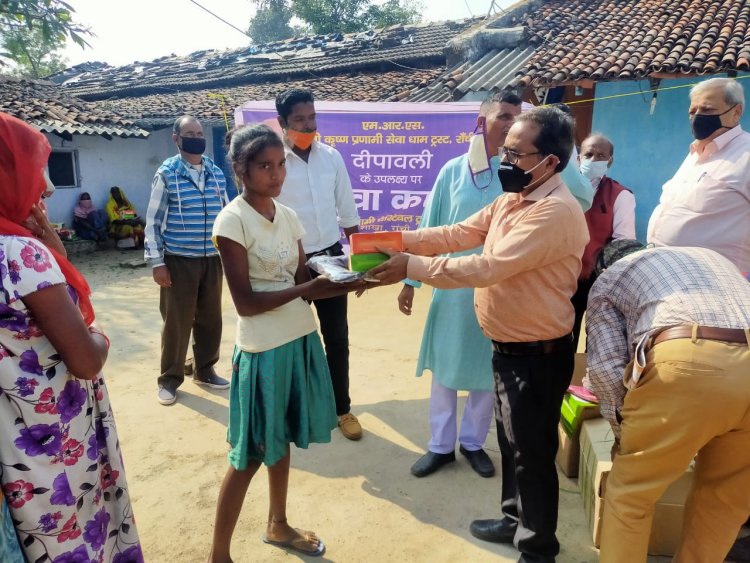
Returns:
<point x="157" y="213"/>
<point x="623" y="211"/>
<point x="652" y="289"/>
<point x="527" y="270"/>
<point x="707" y="202"/>
<point x="320" y="192"/>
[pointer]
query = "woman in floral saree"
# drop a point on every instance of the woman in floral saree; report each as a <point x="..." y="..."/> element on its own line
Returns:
<point x="61" y="470"/>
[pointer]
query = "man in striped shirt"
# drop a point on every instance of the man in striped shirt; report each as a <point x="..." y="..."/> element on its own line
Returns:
<point x="187" y="193"/>
<point x="668" y="358"/>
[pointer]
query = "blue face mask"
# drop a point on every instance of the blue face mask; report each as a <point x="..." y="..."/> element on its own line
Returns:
<point x="193" y="145"/>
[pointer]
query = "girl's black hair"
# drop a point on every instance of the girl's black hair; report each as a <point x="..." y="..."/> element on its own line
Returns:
<point x="244" y="143"/>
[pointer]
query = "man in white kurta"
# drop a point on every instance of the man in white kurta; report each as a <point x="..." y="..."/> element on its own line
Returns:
<point x="453" y="346"/>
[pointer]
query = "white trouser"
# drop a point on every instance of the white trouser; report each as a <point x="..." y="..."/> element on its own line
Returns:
<point x="475" y="423"/>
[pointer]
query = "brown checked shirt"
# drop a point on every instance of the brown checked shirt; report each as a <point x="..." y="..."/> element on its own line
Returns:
<point x="528" y="268"/>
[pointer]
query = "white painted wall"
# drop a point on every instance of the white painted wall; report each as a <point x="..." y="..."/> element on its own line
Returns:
<point x="128" y="163"/>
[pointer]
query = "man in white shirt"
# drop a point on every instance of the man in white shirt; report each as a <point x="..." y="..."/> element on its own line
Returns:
<point x="610" y="217"/>
<point x="707" y="202"/>
<point x="318" y="189"/>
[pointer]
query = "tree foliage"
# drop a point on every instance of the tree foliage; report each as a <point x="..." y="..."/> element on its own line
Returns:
<point x="394" y="12"/>
<point x="271" y="23"/>
<point x="54" y="19"/>
<point x="32" y="33"/>
<point x="329" y="16"/>
<point x="35" y="55"/>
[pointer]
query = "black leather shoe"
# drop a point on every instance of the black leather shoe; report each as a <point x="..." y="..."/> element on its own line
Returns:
<point x="498" y="531"/>
<point x="479" y="460"/>
<point x="431" y="462"/>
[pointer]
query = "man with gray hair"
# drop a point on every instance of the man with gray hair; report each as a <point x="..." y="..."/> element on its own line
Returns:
<point x="707" y="202"/>
<point x="187" y="193"/>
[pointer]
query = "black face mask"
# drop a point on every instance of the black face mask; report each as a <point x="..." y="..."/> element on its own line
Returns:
<point x="704" y="125"/>
<point x="193" y="145"/>
<point x="514" y="179"/>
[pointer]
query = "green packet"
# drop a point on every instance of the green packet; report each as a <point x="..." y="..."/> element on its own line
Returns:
<point x="365" y="262"/>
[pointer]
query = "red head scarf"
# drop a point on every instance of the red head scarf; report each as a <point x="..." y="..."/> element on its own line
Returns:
<point x="23" y="154"/>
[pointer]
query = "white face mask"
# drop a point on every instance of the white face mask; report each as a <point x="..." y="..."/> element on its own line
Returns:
<point x="477" y="156"/>
<point x="594" y="170"/>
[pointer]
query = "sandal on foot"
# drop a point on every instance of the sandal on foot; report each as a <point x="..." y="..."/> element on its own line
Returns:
<point x="299" y="544"/>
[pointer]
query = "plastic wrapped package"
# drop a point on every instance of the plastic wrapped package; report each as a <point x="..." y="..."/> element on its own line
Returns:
<point x="336" y="269"/>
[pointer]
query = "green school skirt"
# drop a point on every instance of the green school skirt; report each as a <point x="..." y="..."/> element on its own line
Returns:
<point x="277" y="397"/>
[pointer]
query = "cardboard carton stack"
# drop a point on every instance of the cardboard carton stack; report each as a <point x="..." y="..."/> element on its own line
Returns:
<point x="596" y="441"/>
<point x="572" y="414"/>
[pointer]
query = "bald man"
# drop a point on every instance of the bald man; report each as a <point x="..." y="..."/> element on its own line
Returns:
<point x="610" y="217"/>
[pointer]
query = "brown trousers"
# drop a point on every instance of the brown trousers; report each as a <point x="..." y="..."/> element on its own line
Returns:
<point x="192" y="304"/>
<point x="694" y="397"/>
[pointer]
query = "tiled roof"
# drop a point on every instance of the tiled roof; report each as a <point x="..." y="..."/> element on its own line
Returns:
<point x="45" y="106"/>
<point x="390" y="49"/>
<point x="631" y="39"/>
<point x="209" y="105"/>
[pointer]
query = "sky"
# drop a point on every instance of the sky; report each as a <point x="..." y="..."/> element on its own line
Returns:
<point x="143" y="30"/>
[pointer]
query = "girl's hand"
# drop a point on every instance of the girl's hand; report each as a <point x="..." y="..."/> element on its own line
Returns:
<point x="323" y="288"/>
<point x="41" y="228"/>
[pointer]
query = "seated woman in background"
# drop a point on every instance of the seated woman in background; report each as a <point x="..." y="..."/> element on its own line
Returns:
<point x="89" y="222"/>
<point x="124" y="223"/>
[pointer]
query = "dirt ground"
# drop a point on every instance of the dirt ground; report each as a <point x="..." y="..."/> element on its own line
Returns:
<point x="358" y="496"/>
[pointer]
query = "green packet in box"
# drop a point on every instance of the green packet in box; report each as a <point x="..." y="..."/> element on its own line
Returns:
<point x="365" y="262"/>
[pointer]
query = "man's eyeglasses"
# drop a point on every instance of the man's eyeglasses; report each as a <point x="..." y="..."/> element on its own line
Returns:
<point x="513" y="156"/>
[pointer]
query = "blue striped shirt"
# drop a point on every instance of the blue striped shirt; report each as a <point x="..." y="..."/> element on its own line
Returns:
<point x="182" y="210"/>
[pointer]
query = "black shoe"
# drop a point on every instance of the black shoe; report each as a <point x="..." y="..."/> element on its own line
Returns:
<point x="479" y="460"/>
<point x="740" y="550"/>
<point x="498" y="531"/>
<point x="431" y="462"/>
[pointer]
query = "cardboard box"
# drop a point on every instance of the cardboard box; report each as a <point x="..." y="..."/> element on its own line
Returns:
<point x="579" y="370"/>
<point x="568" y="452"/>
<point x="572" y="413"/>
<point x="596" y="441"/>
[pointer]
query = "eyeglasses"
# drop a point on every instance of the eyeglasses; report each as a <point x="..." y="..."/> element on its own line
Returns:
<point x="513" y="156"/>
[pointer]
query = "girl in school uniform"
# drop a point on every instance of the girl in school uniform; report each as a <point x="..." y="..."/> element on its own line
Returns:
<point x="280" y="390"/>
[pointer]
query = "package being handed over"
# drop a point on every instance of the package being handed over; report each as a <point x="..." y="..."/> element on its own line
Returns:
<point x="336" y="269"/>
<point x="366" y="249"/>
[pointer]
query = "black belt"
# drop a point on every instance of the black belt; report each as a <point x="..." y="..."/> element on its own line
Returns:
<point x="334" y="250"/>
<point x="538" y="348"/>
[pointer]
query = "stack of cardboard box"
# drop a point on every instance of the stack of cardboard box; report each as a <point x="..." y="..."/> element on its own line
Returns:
<point x="585" y="450"/>
<point x="573" y="412"/>
<point x="596" y="445"/>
